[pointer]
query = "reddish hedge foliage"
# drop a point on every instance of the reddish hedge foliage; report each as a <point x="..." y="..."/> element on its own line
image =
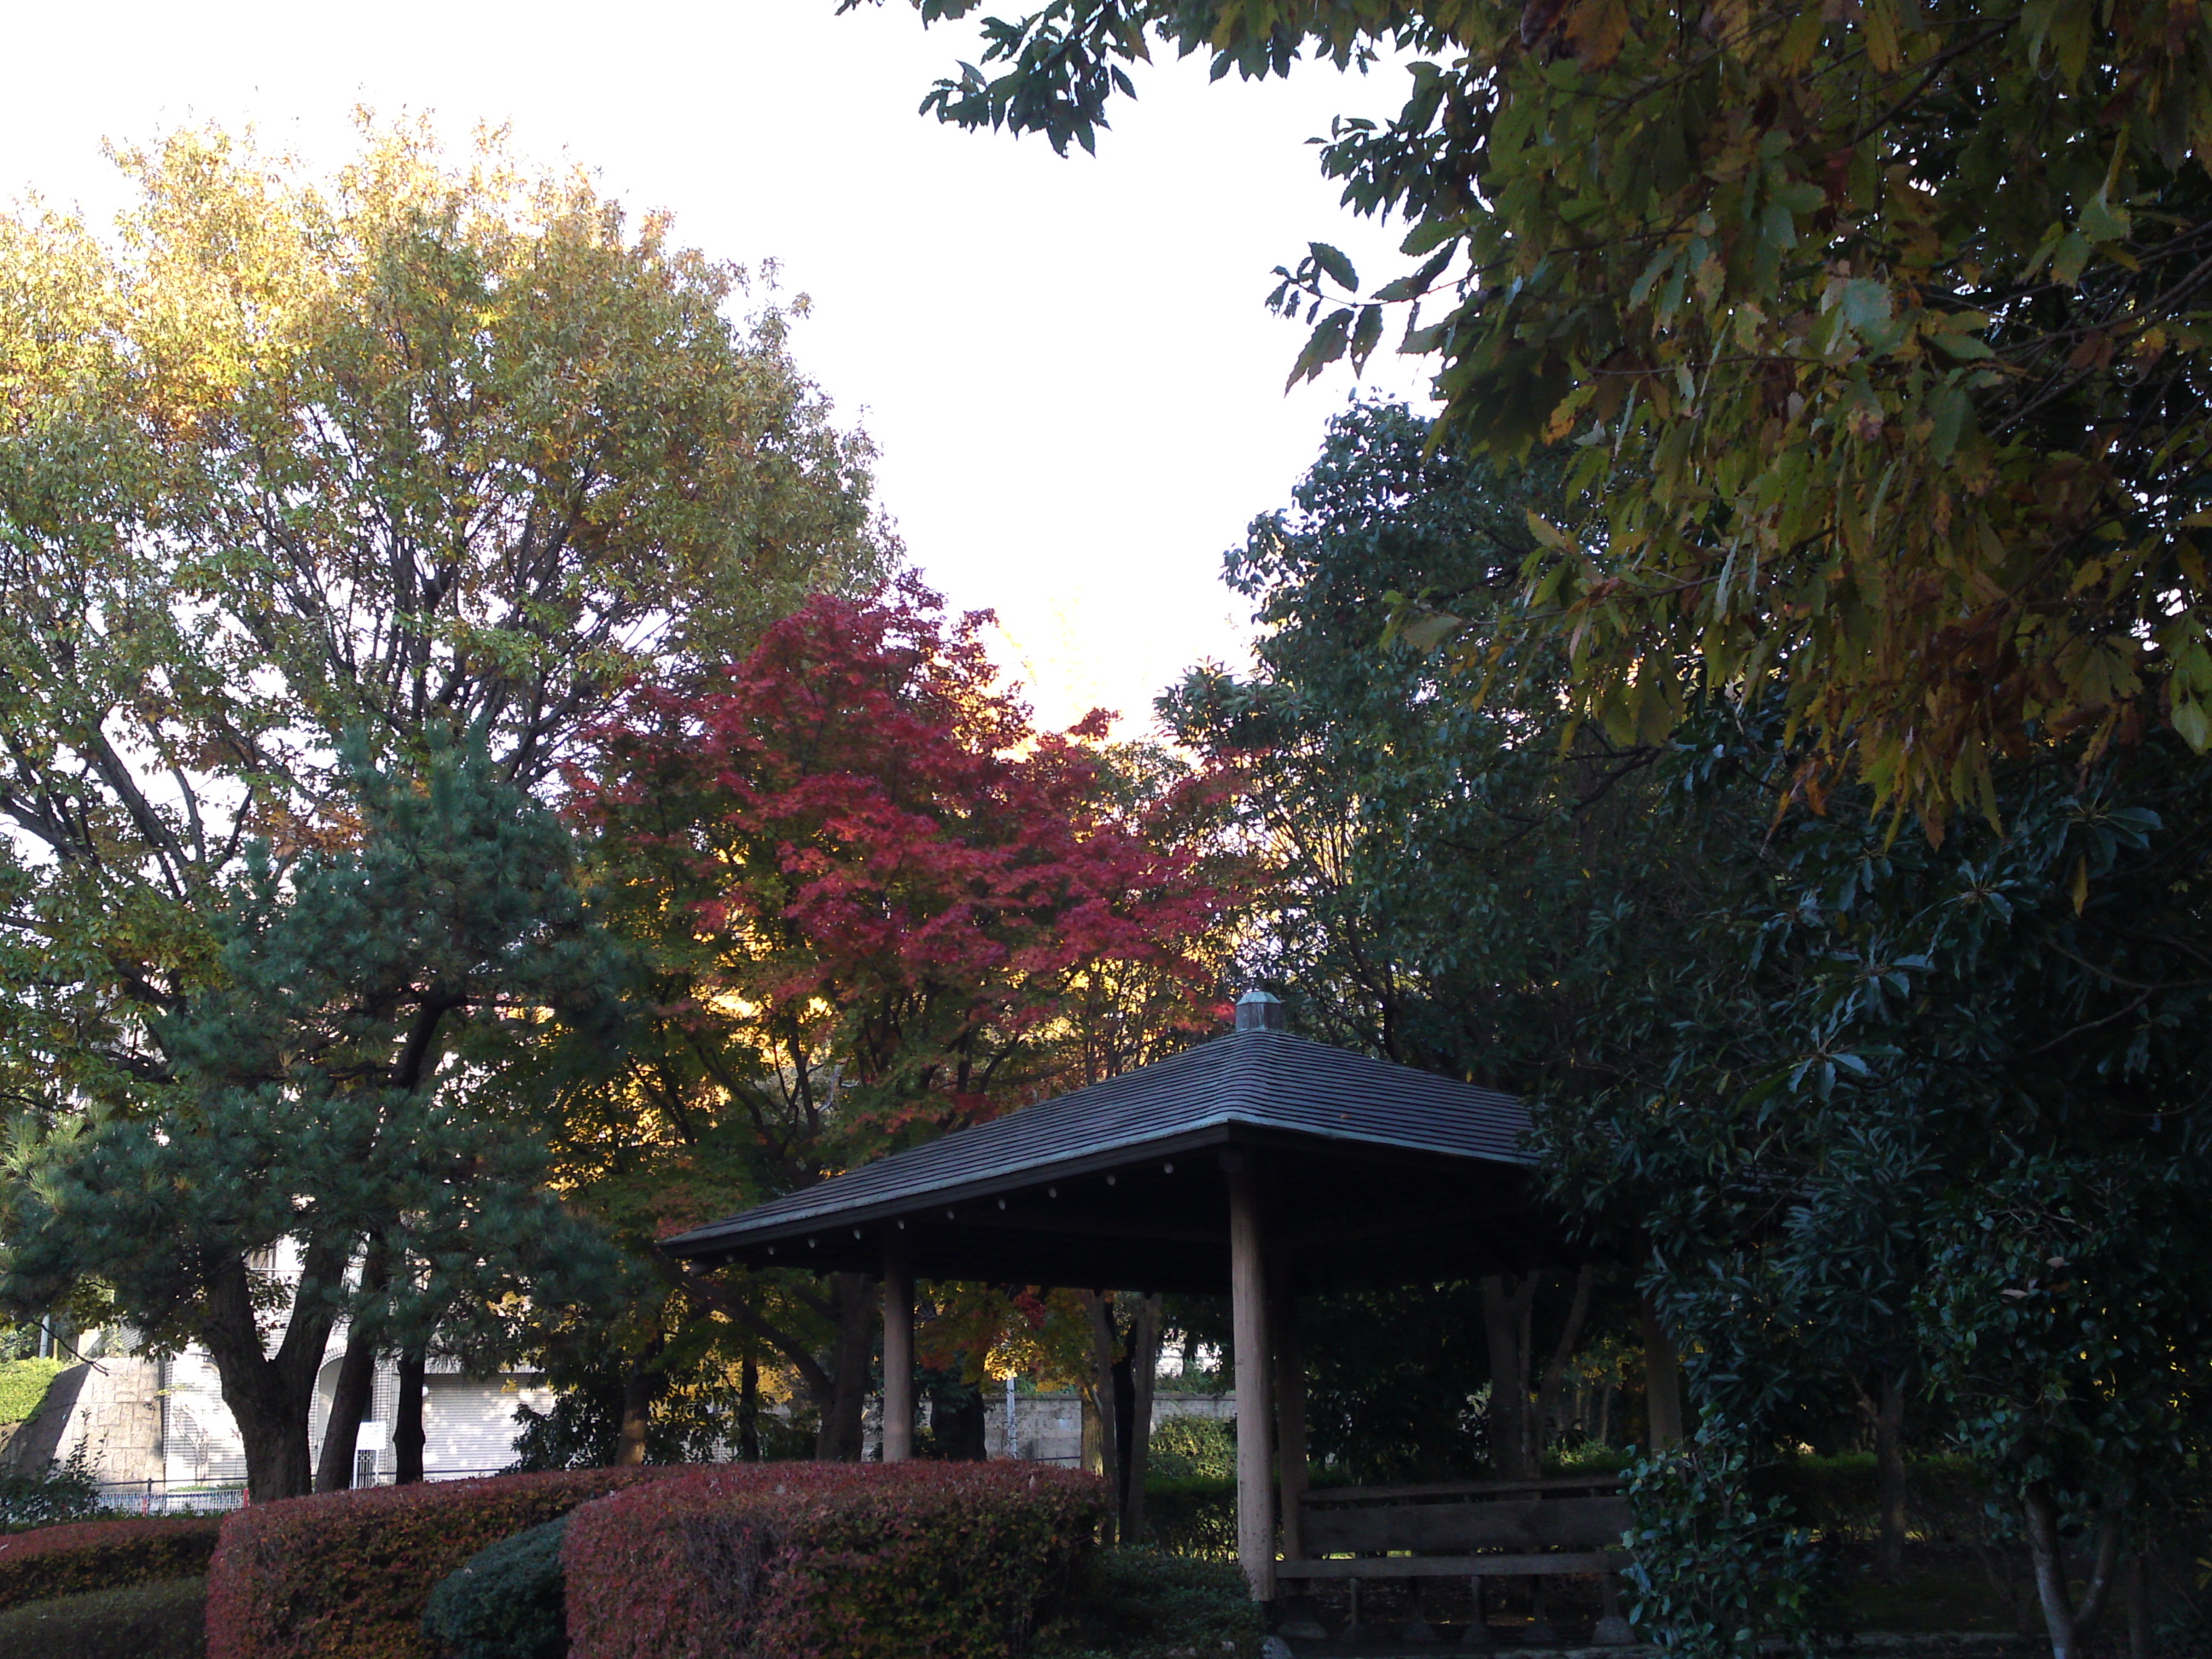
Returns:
<point x="345" y="1575"/>
<point x="93" y="1555"/>
<point x="827" y="1561"/>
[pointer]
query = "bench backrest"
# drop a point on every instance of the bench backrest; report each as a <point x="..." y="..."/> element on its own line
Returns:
<point x="1463" y="1525"/>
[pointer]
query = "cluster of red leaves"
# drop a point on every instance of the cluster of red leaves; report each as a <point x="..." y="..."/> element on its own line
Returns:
<point x="827" y="1561"/>
<point x="864" y="843"/>
<point x="350" y="1572"/>
<point x="93" y="1555"/>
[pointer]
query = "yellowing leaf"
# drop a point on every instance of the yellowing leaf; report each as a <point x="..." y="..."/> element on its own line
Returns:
<point x="1595" y="29"/>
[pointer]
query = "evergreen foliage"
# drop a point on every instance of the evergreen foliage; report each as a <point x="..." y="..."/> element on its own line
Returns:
<point x="364" y="1072"/>
<point x="505" y="1601"/>
<point x="1904" y="1134"/>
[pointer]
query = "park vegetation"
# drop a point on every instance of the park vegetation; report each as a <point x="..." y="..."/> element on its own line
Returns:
<point x="483" y="793"/>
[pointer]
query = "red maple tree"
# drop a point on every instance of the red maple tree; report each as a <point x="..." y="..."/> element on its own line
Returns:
<point x="888" y="874"/>
<point x="876" y="904"/>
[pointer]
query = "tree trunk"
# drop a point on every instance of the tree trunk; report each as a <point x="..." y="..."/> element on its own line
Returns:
<point x="956" y="1426"/>
<point x="1505" y="1300"/>
<point x="749" y="1446"/>
<point x="639" y="1388"/>
<point x="1662" y="1381"/>
<point x="349" y="1397"/>
<point x="407" y="1437"/>
<point x="1106" y="1393"/>
<point x="355" y="1383"/>
<point x="1889" y="1470"/>
<point x="1137" y="1438"/>
<point x="272" y="1396"/>
<point x="2070" y="1626"/>
<point x="1550" y="1424"/>
<point x="839" y="1440"/>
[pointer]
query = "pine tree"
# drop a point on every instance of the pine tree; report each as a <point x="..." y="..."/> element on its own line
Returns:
<point x="358" y="1091"/>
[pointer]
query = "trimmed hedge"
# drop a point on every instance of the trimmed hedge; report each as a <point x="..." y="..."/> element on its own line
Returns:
<point x="346" y="1575"/>
<point x="97" y="1555"/>
<point x="828" y="1561"/>
<point x="161" y="1620"/>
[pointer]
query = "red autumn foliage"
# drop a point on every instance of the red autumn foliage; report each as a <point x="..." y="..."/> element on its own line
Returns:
<point x="858" y="853"/>
<point x="350" y="1572"/>
<point x="93" y="1555"/>
<point x="826" y="1561"/>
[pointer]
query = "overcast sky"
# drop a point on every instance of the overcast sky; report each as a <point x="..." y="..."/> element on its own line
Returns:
<point x="1066" y="363"/>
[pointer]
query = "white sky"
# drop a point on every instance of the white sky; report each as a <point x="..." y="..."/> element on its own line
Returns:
<point x="1077" y="395"/>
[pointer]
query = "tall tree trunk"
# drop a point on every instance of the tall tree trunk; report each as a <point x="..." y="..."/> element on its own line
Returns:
<point x="272" y="1396"/>
<point x="1137" y="1439"/>
<point x="1888" y="1419"/>
<point x="839" y="1440"/>
<point x="639" y="1388"/>
<point x="356" y="1381"/>
<point x="1551" y="1395"/>
<point x="407" y="1436"/>
<point x="2070" y="1625"/>
<point x="1108" y="1367"/>
<point x="1662" y="1381"/>
<point x="1505" y="1300"/>
<point x="749" y="1446"/>
<point x="349" y="1397"/>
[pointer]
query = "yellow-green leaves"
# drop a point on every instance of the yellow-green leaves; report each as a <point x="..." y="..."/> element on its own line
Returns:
<point x="437" y="443"/>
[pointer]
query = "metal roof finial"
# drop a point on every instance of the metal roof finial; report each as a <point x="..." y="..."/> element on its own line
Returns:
<point x="1257" y="1011"/>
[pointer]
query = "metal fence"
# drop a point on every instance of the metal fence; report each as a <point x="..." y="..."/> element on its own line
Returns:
<point x="151" y="1497"/>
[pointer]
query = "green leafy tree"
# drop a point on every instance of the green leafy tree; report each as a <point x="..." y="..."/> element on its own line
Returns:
<point x="438" y="446"/>
<point x="1933" y="1119"/>
<point x="1901" y="1135"/>
<point x="344" y="1127"/>
<point x="1446" y="887"/>
<point x="436" y="451"/>
<point x="1879" y="333"/>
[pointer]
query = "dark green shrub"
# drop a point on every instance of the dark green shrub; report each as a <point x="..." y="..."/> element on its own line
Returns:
<point x="95" y="1555"/>
<point x="1718" y="1569"/>
<point x="1194" y="1449"/>
<point x="505" y="1602"/>
<point x="65" y="1492"/>
<point x="1141" y="1604"/>
<point x="163" y="1620"/>
<point x="1194" y="1516"/>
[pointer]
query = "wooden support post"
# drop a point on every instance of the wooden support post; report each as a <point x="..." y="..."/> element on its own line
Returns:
<point x="1662" y="1381"/>
<point x="898" y="1350"/>
<point x="1290" y="1380"/>
<point x="1248" y="1290"/>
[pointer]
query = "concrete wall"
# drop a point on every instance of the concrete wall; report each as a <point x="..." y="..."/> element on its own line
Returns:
<point x="109" y="1407"/>
<point x="1049" y="1427"/>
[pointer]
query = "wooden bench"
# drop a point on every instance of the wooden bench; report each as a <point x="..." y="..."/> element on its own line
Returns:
<point x="1474" y="1529"/>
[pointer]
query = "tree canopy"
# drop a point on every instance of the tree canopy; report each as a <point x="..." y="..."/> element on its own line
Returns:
<point x="436" y="446"/>
<point x="1902" y="1140"/>
<point x="1878" y="332"/>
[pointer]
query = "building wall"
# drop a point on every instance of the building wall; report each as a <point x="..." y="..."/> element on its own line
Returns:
<point x="1049" y="1427"/>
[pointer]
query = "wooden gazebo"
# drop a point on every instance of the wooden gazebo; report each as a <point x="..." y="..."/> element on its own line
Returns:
<point x="1259" y="1163"/>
